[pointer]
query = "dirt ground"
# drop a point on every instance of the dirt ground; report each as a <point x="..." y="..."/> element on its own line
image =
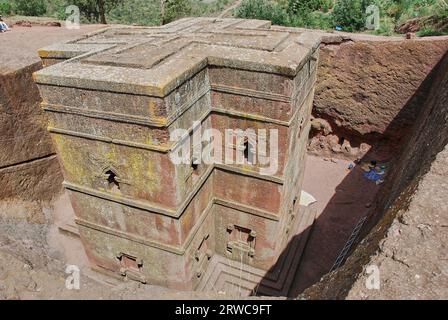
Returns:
<point x="32" y="266"/>
<point x="19" y="46"/>
<point x="343" y="197"/>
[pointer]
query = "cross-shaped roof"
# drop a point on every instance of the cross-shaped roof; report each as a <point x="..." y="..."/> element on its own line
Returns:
<point x="155" y="60"/>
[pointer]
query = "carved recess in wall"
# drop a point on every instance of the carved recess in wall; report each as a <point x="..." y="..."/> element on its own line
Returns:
<point x="131" y="267"/>
<point x="202" y="256"/>
<point x="241" y="243"/>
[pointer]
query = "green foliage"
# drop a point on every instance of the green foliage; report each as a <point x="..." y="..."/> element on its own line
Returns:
<point x="147" y="12"/>
<point x="441" y="10"/>
<point x="5" y="8"/>
<point x="264" y="10"/>
<point x="30" y="7"/>
<point x="320" y="20"/>
<point x="90" y="9"/>
<point x="301" y="7"/>
<point x="350" y="14"/>
<point x="430" y="32"/>
<point x="140" y="12"/>
<point x="327" y="5"/>
<point x="387" y="27"/>
<point x="313" y="20"/>
<point x="175" y="9"/>
<point x="310" y="13"/>
<point x="403" y="10"/>
<point x="321" y="14"/>
<point x="200" y="8"/>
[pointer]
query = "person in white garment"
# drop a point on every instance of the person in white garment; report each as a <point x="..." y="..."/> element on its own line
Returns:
<point x="3" y="26"/>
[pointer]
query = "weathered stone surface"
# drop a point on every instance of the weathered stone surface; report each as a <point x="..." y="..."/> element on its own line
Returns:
<point x="23" y="123"/>
<point x="112" y="106"/>
<point x="412" y="258"/>
<point x="19" y="47"/>
<point x="34" y="180"/>
<point x="28" y="168"/>
<point x="370" y="87"/>
<point x="370" y="90"/>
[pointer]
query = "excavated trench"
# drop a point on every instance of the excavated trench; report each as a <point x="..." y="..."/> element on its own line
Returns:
<point x="380" y="106"/>
<point x="410" y="142"/>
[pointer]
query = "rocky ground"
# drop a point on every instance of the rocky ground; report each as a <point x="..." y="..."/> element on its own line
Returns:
<point x="20" y="45"/>
<point x="32" y="268"/>
<point x="413" y="258"/>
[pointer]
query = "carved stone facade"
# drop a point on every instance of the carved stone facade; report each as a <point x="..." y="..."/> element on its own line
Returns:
<point x="114" y="98"/>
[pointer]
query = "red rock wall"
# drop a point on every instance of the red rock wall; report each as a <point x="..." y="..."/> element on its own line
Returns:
<point x="371" y="89"/>
<point x="410" y="197"/>
<point x="28" y="166"/>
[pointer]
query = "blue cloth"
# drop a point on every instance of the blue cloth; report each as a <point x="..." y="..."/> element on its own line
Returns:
<point x="372" y="175"/>
<point x="3" y="26"/>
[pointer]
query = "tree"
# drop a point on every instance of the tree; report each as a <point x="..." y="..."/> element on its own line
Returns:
<point x="5" y="8"/>
<point x="102" y="11"/>
<point x="30" y="7"/>
<point x="95" y="10"/>
<point x="350" y="14"/>
<point x="303" y="6"/>
<point x="263" y="10"/>
<point x="171" y="10"/>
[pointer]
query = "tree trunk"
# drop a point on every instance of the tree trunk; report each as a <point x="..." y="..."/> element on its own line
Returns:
<point x="102" y="11"/>
<point x="162" y="12"/>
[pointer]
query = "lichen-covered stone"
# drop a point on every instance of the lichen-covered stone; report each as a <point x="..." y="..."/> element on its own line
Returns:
<point x="112" y="106"/>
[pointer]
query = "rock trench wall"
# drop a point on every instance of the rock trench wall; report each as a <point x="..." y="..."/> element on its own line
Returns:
<point x="29" y="170"/>
<point x="369" y="92"/>
<point x="407" y="241"/>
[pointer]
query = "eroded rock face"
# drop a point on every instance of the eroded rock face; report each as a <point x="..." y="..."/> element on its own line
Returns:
<point x="323" y="142"/>
<point x="412" y="257"/>
<point x="374" y="87"/>
<point x="35" y="181"/>
<point x="369" y="93"/>
<point x="28" y="168"/>
<point x="23" y="123"/>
